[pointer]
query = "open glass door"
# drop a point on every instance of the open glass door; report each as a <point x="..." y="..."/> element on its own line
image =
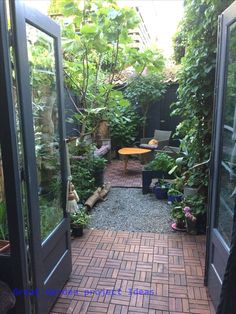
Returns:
<point x="223" y="174"/>
<point x="36" y="41"/>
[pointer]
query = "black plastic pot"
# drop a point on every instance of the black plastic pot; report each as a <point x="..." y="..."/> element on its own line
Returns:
<point x="77" y="230"/>
<point x="161" y="193"/>
<point x="148" y="175"/>
<point x="175" y="198"/>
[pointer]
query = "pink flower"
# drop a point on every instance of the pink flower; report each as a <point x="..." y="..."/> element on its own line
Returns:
<point x="189" y="216"/>
<point x="186" y="210"/>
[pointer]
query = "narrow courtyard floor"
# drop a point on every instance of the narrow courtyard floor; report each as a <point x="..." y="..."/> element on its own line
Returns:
<point x="145" y="269"/>
<point x="115" y="175"/>
<point x="128" y="209"/>
<point x="134" y="272"/>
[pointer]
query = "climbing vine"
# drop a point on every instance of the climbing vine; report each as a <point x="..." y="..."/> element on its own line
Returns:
<point x="196" y="83"/>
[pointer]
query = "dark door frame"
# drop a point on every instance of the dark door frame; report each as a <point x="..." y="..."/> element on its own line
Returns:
<point x="214" y="238"/>
<point x="46" y="274"/>
<point x="13" y="267"/>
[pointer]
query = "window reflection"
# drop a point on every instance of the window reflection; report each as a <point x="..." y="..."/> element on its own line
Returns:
<point x="4" y="236"/>
<point x="46" y="133"/>
<point x="228" y="169"/>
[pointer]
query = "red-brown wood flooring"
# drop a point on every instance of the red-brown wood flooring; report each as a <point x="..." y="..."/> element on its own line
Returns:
<point x="165" y="273"/>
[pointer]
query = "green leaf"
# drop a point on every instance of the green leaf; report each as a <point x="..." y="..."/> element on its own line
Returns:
<point x="88" y="29"/>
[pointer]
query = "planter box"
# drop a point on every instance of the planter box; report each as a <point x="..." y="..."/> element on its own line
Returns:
<point x="148" y="175"/>
<point x="189" y="191"/>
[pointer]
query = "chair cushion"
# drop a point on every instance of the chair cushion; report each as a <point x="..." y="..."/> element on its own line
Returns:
<point x="149" y="146"/>
<point x="153" y="141"/>
<point x="102" y="150"/>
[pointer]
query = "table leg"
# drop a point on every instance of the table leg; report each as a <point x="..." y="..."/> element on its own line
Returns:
<point x="125" y="163"/>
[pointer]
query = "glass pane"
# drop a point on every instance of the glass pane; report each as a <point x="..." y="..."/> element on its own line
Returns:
<point x="228" y="168"/>
<point x="45" y="114"/>
<point x="4" y="237"/>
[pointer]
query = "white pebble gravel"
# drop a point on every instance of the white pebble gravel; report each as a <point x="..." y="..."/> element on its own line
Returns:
<point x="129" y="210"/>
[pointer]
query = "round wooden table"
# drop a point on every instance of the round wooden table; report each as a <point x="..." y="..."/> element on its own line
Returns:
<point x="126" y="151"/>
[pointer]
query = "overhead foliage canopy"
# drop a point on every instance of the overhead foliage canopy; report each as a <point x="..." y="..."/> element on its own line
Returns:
<point x="97" y="47"/>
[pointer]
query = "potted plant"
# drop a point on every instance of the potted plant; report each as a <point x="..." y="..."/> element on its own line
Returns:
<point x="197" y="206"/>
<point x="162" y="162"/>
<point x="78" y="220"/>
<point x="191" y="221"/>
<point x="178" y="214"/>
<point x="4" y="243"/>
<point x="193" y="183"/>
<point x="98" y="167"/>
<point x="157" y="168"/>
<point x="174" y="195"/>
<point x="160" y="189"/>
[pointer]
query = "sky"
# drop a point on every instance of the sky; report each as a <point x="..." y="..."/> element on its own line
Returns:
<point x="161" y="18"/>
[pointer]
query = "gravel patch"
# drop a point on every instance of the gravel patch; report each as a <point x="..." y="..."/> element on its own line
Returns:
<point x="128" y="209"/>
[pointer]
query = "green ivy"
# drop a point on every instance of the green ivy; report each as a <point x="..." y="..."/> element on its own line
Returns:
<point x="196" y="83"/>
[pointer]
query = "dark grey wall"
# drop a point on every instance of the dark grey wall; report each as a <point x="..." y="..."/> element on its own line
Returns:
<point x="159" y="113"/>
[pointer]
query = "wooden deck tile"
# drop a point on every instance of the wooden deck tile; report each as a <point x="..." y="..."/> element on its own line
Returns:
<point x="132" y="272"/>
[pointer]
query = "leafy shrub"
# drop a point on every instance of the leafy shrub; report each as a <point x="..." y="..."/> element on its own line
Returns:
<point x="83" y="178"/>
<point x="161" y="162"/>
<point x="177" y="211"/>
<point x="124" y="122"/>
<point x="98" y="163"/>
<point x="79" y="217"/>
<point x="196" y="203"/>
<point x="144" y="91"/>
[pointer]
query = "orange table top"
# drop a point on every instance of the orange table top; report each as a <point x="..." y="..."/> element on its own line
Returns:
<point x="133" y="151"/>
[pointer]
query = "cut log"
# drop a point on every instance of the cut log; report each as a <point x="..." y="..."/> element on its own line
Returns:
<point x="93" y="199"/>
<point x="98" y="195"/>
<point x="105" y="191"/>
